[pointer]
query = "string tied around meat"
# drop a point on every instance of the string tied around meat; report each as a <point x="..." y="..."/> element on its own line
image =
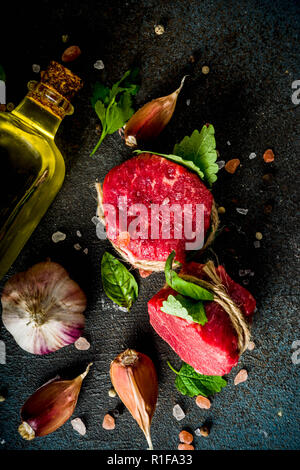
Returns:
<point x="222" y="298"/>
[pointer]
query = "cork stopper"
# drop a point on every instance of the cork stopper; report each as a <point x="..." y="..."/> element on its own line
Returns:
<point x="62" y="80"/>
<point x="57" y="87"/>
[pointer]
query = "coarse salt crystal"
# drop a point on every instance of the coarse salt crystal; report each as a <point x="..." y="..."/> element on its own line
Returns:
<point x="2" y="352"/>
<point x="242" y="211"/>
<point x="197" y="432"/>
<point x="82" y="344"/>
<point x="79" y="426"/>
<point x="178" y="412"/>
<point x="256" y="244"/>
<point x="112" y="393"/>
<point x="268" y="156"/>
<point x="58" y="237"/>
<point x="203" y="402"/>
<point x="251" y="346"/>
<point x="232" y="165"/>
<point x="186" y="437"/>
<point x="244" y="272"/>
<point x="78" y="233"/>
<point x="185" y="447"/>
<point x="99" y="65"/>
<point x="188" y="102"/>
<point x="241" y="376"/>
<point x="85" y="251"/>
<point x="2" y="442"/>
<point x="221" y="164"/>
<point x="228" y="143"/>
<point x="252" y="155"/>
<point x="108" y="422"/>
<point x="159" y="29"/>
<point x="77" y="246"/>
<point x="36" y="68"/>
<point x="101" y="231"/>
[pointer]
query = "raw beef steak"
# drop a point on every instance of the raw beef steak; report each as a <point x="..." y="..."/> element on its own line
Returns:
<point x="210" y="349"/>
<point x="149" y="179"/>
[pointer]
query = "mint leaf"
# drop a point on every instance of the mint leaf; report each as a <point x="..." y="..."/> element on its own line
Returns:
<point x="187" y="163"/>
<point x="118" y="283"/>
<point x="114" y="106"/>
<point x="2" y="74"/>
<point x="189" y="289"/>
<point x="191" y="383"/>
<point x="200" y="148"/>
<point x="187" y="309"/>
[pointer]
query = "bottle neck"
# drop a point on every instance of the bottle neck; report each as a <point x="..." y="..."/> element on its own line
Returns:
<point x="43" y="108"/>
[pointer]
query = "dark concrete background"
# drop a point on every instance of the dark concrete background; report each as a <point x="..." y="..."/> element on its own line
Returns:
<point x="252" y="49"/>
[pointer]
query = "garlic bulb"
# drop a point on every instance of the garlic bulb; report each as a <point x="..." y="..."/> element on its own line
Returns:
<point x="42" y="308"/>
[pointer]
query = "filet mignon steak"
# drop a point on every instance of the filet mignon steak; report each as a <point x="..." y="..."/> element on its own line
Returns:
<point x="210" y="349"/>
<point x="150" y="179"/>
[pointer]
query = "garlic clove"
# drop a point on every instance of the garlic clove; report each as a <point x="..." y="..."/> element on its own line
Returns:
<point x="50" y="406"/>
<point x="134" y="378"/>
<point x="42" y="308"/>
<point x="149" y="121"/>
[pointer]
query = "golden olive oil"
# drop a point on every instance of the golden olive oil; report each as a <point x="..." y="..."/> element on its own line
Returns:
<point x="32" y="168"/>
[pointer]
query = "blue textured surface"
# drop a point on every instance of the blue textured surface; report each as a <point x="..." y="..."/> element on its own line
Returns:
<point x="252" y="49"/>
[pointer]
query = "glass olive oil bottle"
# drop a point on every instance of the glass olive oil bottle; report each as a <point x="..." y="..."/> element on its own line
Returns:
<point x="32" y="168"/>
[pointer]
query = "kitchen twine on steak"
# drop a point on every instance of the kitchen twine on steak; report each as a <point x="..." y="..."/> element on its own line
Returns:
<point x="222" y="298"/>
<point x="156" y="266"/>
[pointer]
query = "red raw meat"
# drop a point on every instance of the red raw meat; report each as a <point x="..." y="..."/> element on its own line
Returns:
<point x="149" y="179"/>
<point x="210" y="349"/>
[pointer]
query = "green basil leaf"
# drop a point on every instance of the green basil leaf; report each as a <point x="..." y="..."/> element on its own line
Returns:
<point x="191" y="383"/>
<point x="189" y="289"/>
<point x="118" y="283"/>
<point x="185" y="308"/>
